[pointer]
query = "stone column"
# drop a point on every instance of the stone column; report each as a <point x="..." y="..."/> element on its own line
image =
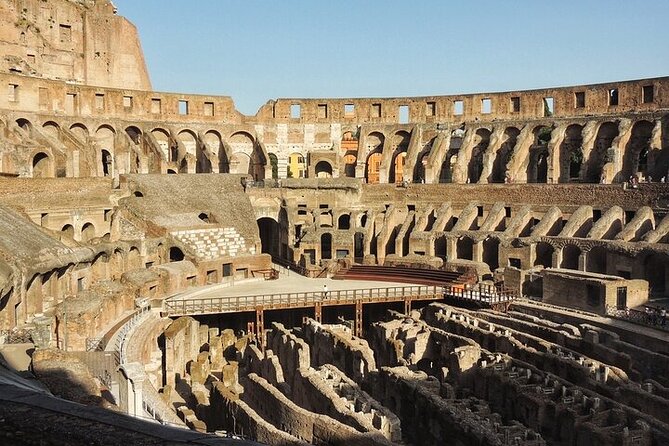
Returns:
<point x="135" y="377"/>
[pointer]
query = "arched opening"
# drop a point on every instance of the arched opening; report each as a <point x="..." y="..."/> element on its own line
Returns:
<point x="350" y="161"/>
<point x="542" y="168"/>
<point x="372" y="167"/>
<point x="359" y="246"/>
<point x="400" y="146"/>
<point x="274" y="163"/>
<point x="176" y="254"/>
<point x="491" y="253"/>
<point x="465" y="248"/>
<point x="323" y="169"/>
<point x="167" y="147"/>
<point x="655" y="272"/>
<point x="80" y="131"/>
<point x="440" y="247"/>
<point x="171" y="172"/>
<point x="87" y="232"/>
<point x="297" y="167"/>
<point x="363" y="220"/>
<point x="599" y="156"/>
<point x="24" y="124"/>
<point x="503" y="155"/>
<point x="636" y="152"/>
<point x="202" y="161"/>
<point x="537" y="168"/>
<point x="135" y="134"/>
<point x="570" y="255"/>
<point x="269" y="236"/>
<point x="446" y="171"/>
<point x="204" y="217"/>
<point x="68" y="231"/>
<point x="212" y="140"/>
<point x="571" y="154"/>
<point x="134" y="258"/>
<point x="475" y="167"/>
<point x="344" y="221"/>
<point x="596" y="260"/>
<point x="138" y="194"/>
<point x="106" y="163"/>
<point x="42" y="166"/>
<point x="326" y="246"/>
<point x="544" y="255"/>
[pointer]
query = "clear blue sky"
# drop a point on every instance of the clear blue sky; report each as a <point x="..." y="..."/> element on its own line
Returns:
<point x="256" y="50"/>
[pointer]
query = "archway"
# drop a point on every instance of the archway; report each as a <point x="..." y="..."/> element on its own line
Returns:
<point x="607" y="132"/>
<point x="323" y="169"/>
<point x="269" y="236"/>
<point x="571" y="154"/>
<point x="176" y="254"/>
<point x="491" y="253"/>
<point x="503" y="155"/>
<point x="297" y="167"/>
<point x="544" y="255"/>
<point x="440" y="247"/>
<point x="570" y="255"/>
<point x="655" y="272"/>
<point x="344" y="221"/>
<point x="372" y="167"/>
<point x="107" y="162"/>
<point x="350" y="161"/>
<point x="475" y="167"/>
<point x="446" y="171"/>
<point x="359" y="246"/>
<point x="326" y="246"/>
<point x="68" y="231"/>
<point x="274" y="163"/>
<point x="465" y="248"/>
<point x="636" y="152"/>
<point x="400" y="145"/>
<point x="134" y="133"/>
<point x="596" y="260"/>
<point x="42" y="166"/>
<point x="240" y="163"/>
<point x="87" y="232"/>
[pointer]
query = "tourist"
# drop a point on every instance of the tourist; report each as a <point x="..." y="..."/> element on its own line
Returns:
<point x="325" y="291"/>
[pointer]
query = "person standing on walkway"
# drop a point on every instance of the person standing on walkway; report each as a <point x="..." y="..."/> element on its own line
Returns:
<point x="325" y="291"/>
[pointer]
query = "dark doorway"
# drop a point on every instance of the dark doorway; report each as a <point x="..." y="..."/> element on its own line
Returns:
<point x="269" y="236"/>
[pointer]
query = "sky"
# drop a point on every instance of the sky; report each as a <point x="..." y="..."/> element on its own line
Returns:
<point x="257" y="50"/>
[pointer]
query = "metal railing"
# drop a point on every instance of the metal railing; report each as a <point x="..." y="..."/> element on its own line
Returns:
<point x="235" y="304"/>
<point x="651" y="319"/>
<point x="121" y="344"/>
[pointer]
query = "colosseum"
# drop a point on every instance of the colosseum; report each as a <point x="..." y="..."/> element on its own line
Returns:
<point x="477" y="269"/>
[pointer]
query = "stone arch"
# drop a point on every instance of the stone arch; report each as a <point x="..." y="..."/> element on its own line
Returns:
<point x="373" y="166"/>
<point x="25" y="124"/>
<point x="422" y="160"/>
<point x="400" y="146"/>
<point x="135" y="134"/>
<point x="326" y="246"/>
<point x="188" y="138"/>
<point x="80" y="131"/>
<point x="636" y="153"/>
<point x="214" y="142"/>
<point x="465" y="248"/>
<point x="446" y="170"/>
<point x="475" y="166"/>
<point x="543" y="255"/>
<point x="176" y="254"/>
<point x="570" y="257"/>
<point x="571" y="154"/>
<point x="42" y="166"/>
<point x="373" y="143"/>
<point x="344" y="221"/>
<point x="68" y="231"/>
<point x="134" y="258"/>
<point x="350" y="161"/>
<point x="162" y="137"/>
<point x="323" y="169"/>
<point x="297" y="166"/>
<point x="51" y="129"/>
<point x="242" y="141"/>
<point x="491" y="252"/>
<point x="537" y="167"/>
<point x="599" y="156"/>
<point x="596" y="261"/>
<point x="87" y="232"/>
<point x="240" y="163"/>
<point x="503" y="155"/>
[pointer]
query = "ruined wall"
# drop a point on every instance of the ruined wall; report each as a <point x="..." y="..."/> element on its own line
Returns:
<point x="77" y="41"/>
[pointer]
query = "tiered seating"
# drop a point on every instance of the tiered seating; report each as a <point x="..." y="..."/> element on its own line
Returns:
<point x="401" y="274"/>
